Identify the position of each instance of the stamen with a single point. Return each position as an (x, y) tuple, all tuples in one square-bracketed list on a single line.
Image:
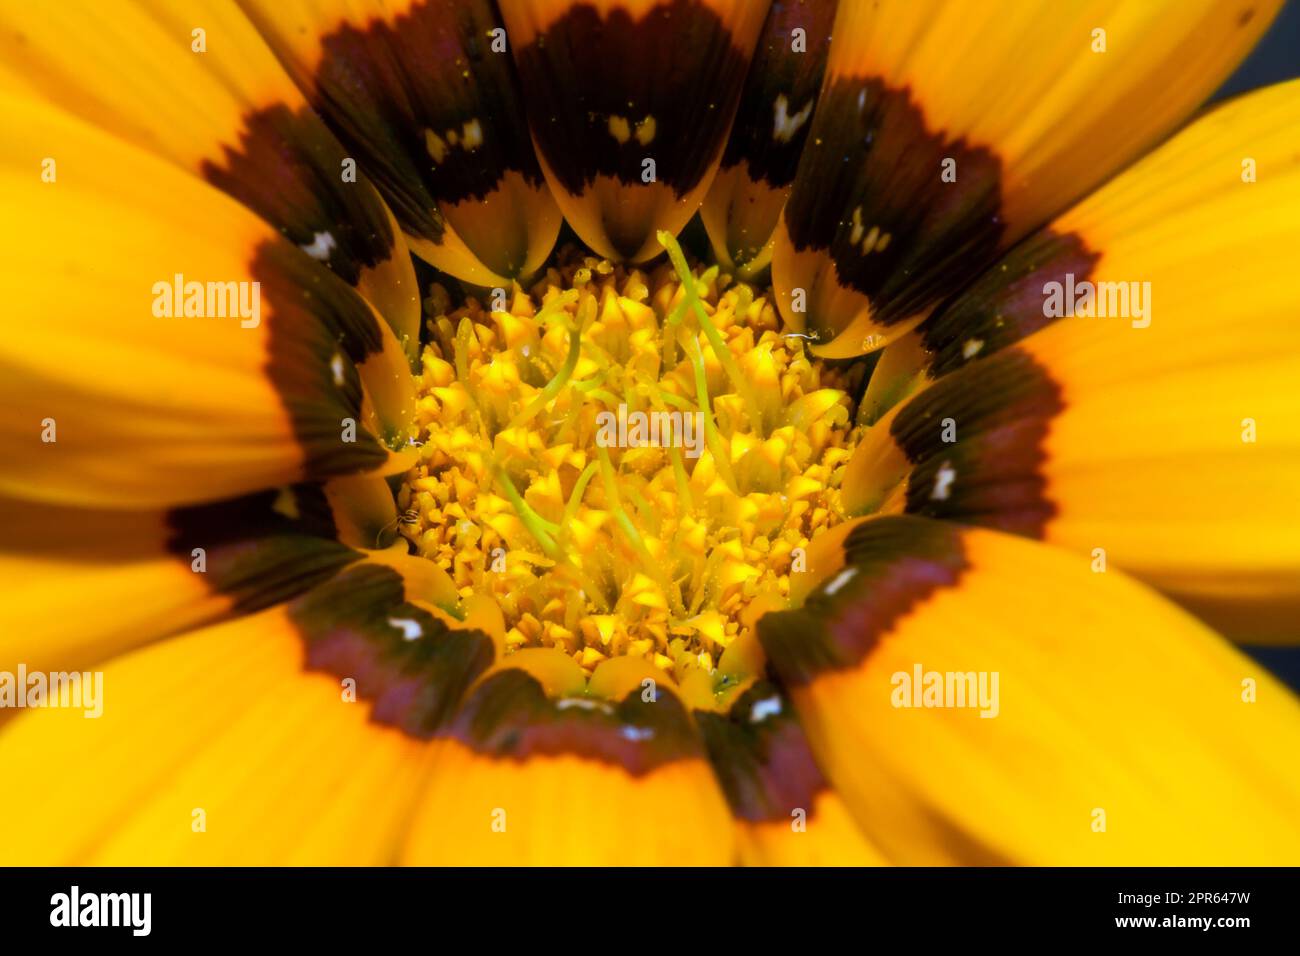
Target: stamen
[(629, 530), (679, 477), (575, 499), (544, 397), (665, 563), (721, 454), (738, 380), (539, 528)]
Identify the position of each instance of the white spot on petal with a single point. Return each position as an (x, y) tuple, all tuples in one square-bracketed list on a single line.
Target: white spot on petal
[(785, 125), (320, 247), (764, 709), (943, 479), (841, 579), (584, 703), (410, 628)]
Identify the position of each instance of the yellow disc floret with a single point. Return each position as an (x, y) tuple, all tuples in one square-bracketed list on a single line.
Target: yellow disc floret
[(625, 462)]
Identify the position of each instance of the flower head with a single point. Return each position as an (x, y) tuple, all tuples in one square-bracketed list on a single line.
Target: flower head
[(398, 470)]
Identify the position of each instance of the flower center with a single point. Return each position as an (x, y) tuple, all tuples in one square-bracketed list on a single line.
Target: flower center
[(627, 463)]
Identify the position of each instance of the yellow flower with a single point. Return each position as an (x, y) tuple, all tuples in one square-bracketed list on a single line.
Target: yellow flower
[(395, 472)]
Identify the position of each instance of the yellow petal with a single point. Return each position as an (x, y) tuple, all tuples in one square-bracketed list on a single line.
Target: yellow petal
[(786, 812), (1096, 724), (109, 397), (199, 87), (214, 748), (1162, 436), (425, 97), (946, 132), (524, 780), (629, 141), (758, 166), (134, 577)]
